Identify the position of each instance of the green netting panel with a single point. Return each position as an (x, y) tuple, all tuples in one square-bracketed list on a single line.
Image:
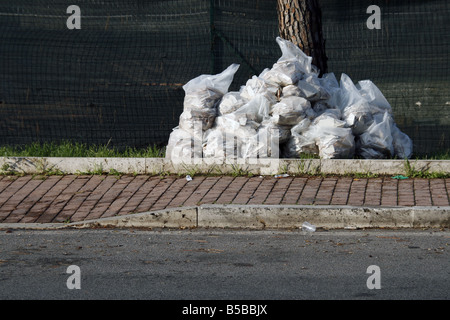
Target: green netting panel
[(120, 77)]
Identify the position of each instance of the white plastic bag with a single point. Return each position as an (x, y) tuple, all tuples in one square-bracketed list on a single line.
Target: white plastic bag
[(202, 95), (377, 141), (235, 133), (334, 142), (300, 142), (193, 119), (183, 146), (230, 102), (311, 89), (220, 144), (204, 91), (258, 86), (370, 92), (291, 110), (255, 110), (358, 106), (290, 67), (403, 145), (291, 52)]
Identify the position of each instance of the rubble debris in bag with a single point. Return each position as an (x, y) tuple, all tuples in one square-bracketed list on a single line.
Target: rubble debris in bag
[(201, 97), (335, 142), (377, 142), (288, 109), (311, 89), (300, 142), (291, 110), (403, 145), (230, 102), (258, 86), (265, 143), (204, 118), (183, 145)]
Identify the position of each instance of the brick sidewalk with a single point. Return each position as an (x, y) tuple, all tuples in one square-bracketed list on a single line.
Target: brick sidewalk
[(76, 198)]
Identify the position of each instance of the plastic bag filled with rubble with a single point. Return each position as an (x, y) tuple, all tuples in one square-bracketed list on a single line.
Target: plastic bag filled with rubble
[(300, 142), (290, 67), (258, 86), (241, 125), (384, 139), (230, 102), (266, 143), (333, 139), (377, 142), (360, 103), (220, 144), (335, 142), (291, 110), (184, 145), (201, 96), (326, 136), (228, 137), (403, 145), (257, 109)]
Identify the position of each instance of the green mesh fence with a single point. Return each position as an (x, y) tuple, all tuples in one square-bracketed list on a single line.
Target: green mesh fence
[(119, 78)]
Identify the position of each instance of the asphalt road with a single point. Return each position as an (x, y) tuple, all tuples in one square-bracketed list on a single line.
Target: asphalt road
[(224, 265)]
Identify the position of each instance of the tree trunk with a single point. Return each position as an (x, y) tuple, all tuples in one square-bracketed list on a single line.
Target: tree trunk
[(300, 21)]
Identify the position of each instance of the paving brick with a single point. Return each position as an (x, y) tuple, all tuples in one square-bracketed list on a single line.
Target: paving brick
[(79, 196), (13, 204), (439, 196), (247, 190), (406, 193), (216, 191), (201, 191), (136, 199), (325, 192), (5, 182), (263, 190), (422, 194), (276, 195), (93, 198), (389, 192), (357, 193), (341, 191), (57, 209), (233, 189), (294, 190), (75, 198), (22, 209), (37, 210), (151, 198), (108, 197), (125, 196), (310, 191), (170, 194), (373, 192), (13, 188), (186, 192)]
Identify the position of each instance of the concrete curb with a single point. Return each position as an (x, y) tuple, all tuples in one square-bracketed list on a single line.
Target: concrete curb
[(260, 217), (156, 166)]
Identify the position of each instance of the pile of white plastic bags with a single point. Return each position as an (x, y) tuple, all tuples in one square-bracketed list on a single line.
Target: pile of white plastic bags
[(286, 111)]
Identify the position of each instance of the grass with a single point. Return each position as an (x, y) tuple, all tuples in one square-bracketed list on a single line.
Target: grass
[(442, 155), (412, 172), (76, 149)]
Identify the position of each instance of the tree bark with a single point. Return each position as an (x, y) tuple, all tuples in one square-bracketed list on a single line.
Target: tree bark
[(300, 21)]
